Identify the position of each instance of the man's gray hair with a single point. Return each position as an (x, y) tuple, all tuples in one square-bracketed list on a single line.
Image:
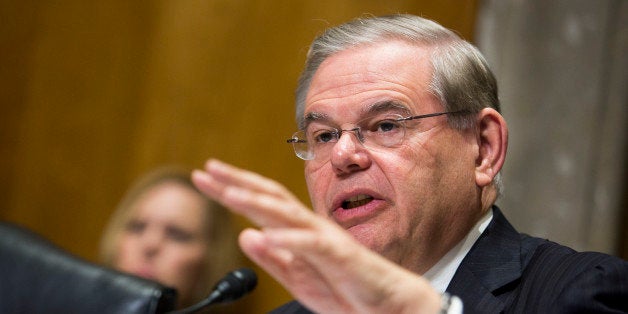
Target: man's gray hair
[(461, 78)]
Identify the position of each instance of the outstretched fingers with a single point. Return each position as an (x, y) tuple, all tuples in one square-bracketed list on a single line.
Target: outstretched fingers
[(338, 265), (315, 259), (233, 176), (263, 201), (305, 281)]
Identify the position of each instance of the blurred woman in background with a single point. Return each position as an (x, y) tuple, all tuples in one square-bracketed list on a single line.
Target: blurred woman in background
[(165, 230)]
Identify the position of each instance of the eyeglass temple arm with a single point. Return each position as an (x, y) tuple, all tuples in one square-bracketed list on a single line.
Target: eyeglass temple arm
[(435, 114)]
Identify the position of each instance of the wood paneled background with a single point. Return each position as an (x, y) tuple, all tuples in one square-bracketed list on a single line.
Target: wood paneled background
[(95, 93)]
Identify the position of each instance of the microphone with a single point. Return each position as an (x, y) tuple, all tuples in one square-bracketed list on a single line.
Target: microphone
[(231, 287)]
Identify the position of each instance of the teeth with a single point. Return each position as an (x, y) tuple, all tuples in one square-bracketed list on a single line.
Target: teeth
[(358, 198), (356, 201)]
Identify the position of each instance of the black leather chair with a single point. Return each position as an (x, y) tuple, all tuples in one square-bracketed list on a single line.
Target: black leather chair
[(38, 277)]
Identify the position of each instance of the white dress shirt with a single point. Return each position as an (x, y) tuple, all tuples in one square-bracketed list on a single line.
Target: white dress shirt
[(443, 271)]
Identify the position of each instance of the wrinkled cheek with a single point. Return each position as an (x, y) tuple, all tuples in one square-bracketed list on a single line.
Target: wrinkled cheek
[(317, 185)]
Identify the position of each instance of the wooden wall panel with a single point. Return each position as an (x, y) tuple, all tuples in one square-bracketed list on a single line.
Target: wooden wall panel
[(96, 93)]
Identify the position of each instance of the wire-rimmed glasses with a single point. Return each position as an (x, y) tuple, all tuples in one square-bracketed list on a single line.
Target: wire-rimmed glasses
[(380, 131)]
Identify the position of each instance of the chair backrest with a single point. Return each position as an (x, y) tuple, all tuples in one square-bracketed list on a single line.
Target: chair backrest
[(38, 277)]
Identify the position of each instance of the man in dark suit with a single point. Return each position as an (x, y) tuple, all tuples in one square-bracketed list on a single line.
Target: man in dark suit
[(400, 129)]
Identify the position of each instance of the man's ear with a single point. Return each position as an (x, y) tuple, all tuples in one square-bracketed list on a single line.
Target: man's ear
[(492, 143)]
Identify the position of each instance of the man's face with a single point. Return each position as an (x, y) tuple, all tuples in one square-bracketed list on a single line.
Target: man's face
[(411, 202)]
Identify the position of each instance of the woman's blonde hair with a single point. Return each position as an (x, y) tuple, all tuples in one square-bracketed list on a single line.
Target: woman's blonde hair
[(222, 252)]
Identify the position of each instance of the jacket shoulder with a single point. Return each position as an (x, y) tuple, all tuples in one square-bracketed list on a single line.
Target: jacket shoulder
[(560, 279)]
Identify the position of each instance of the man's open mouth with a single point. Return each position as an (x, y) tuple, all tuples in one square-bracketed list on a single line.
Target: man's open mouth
[(356, 201)]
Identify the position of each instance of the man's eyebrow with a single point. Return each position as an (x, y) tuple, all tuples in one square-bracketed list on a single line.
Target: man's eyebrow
[(375, 108), (313, 116), (387, 106)]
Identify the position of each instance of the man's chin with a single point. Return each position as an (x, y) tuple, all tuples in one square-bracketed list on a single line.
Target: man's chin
[(366, 234)]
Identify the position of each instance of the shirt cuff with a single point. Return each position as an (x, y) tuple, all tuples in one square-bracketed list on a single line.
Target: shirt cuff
[(450, 304)]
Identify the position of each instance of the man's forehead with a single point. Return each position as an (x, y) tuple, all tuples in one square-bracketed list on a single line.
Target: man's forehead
[(370, 63), (365, 68), (365, 77)]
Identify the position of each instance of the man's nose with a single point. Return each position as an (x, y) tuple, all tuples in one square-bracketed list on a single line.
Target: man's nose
[(356, 131), (349, 154)]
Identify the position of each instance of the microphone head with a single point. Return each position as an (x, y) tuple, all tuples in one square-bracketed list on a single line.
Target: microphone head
[(236, 284)]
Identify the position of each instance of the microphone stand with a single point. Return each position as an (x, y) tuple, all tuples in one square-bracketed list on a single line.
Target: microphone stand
[(233, 286)]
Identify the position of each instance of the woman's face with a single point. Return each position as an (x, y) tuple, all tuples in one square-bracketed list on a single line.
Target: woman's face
[(166, 239)]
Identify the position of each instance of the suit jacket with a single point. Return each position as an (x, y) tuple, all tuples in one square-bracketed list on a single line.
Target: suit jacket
[(509, 272)]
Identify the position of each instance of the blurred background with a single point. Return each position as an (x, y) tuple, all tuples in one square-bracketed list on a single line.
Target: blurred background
[(96, 93)]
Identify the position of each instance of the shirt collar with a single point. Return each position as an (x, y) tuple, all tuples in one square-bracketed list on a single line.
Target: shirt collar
[(443, 271)]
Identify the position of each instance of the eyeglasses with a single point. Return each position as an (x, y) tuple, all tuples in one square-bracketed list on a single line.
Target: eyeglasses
[(376, 132)]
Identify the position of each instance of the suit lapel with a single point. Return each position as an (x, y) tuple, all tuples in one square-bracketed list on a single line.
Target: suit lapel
[(493, 262), (482, 279)]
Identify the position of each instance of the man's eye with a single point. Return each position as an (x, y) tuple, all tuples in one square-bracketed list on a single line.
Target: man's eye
[(385, 126), (324, 136)]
